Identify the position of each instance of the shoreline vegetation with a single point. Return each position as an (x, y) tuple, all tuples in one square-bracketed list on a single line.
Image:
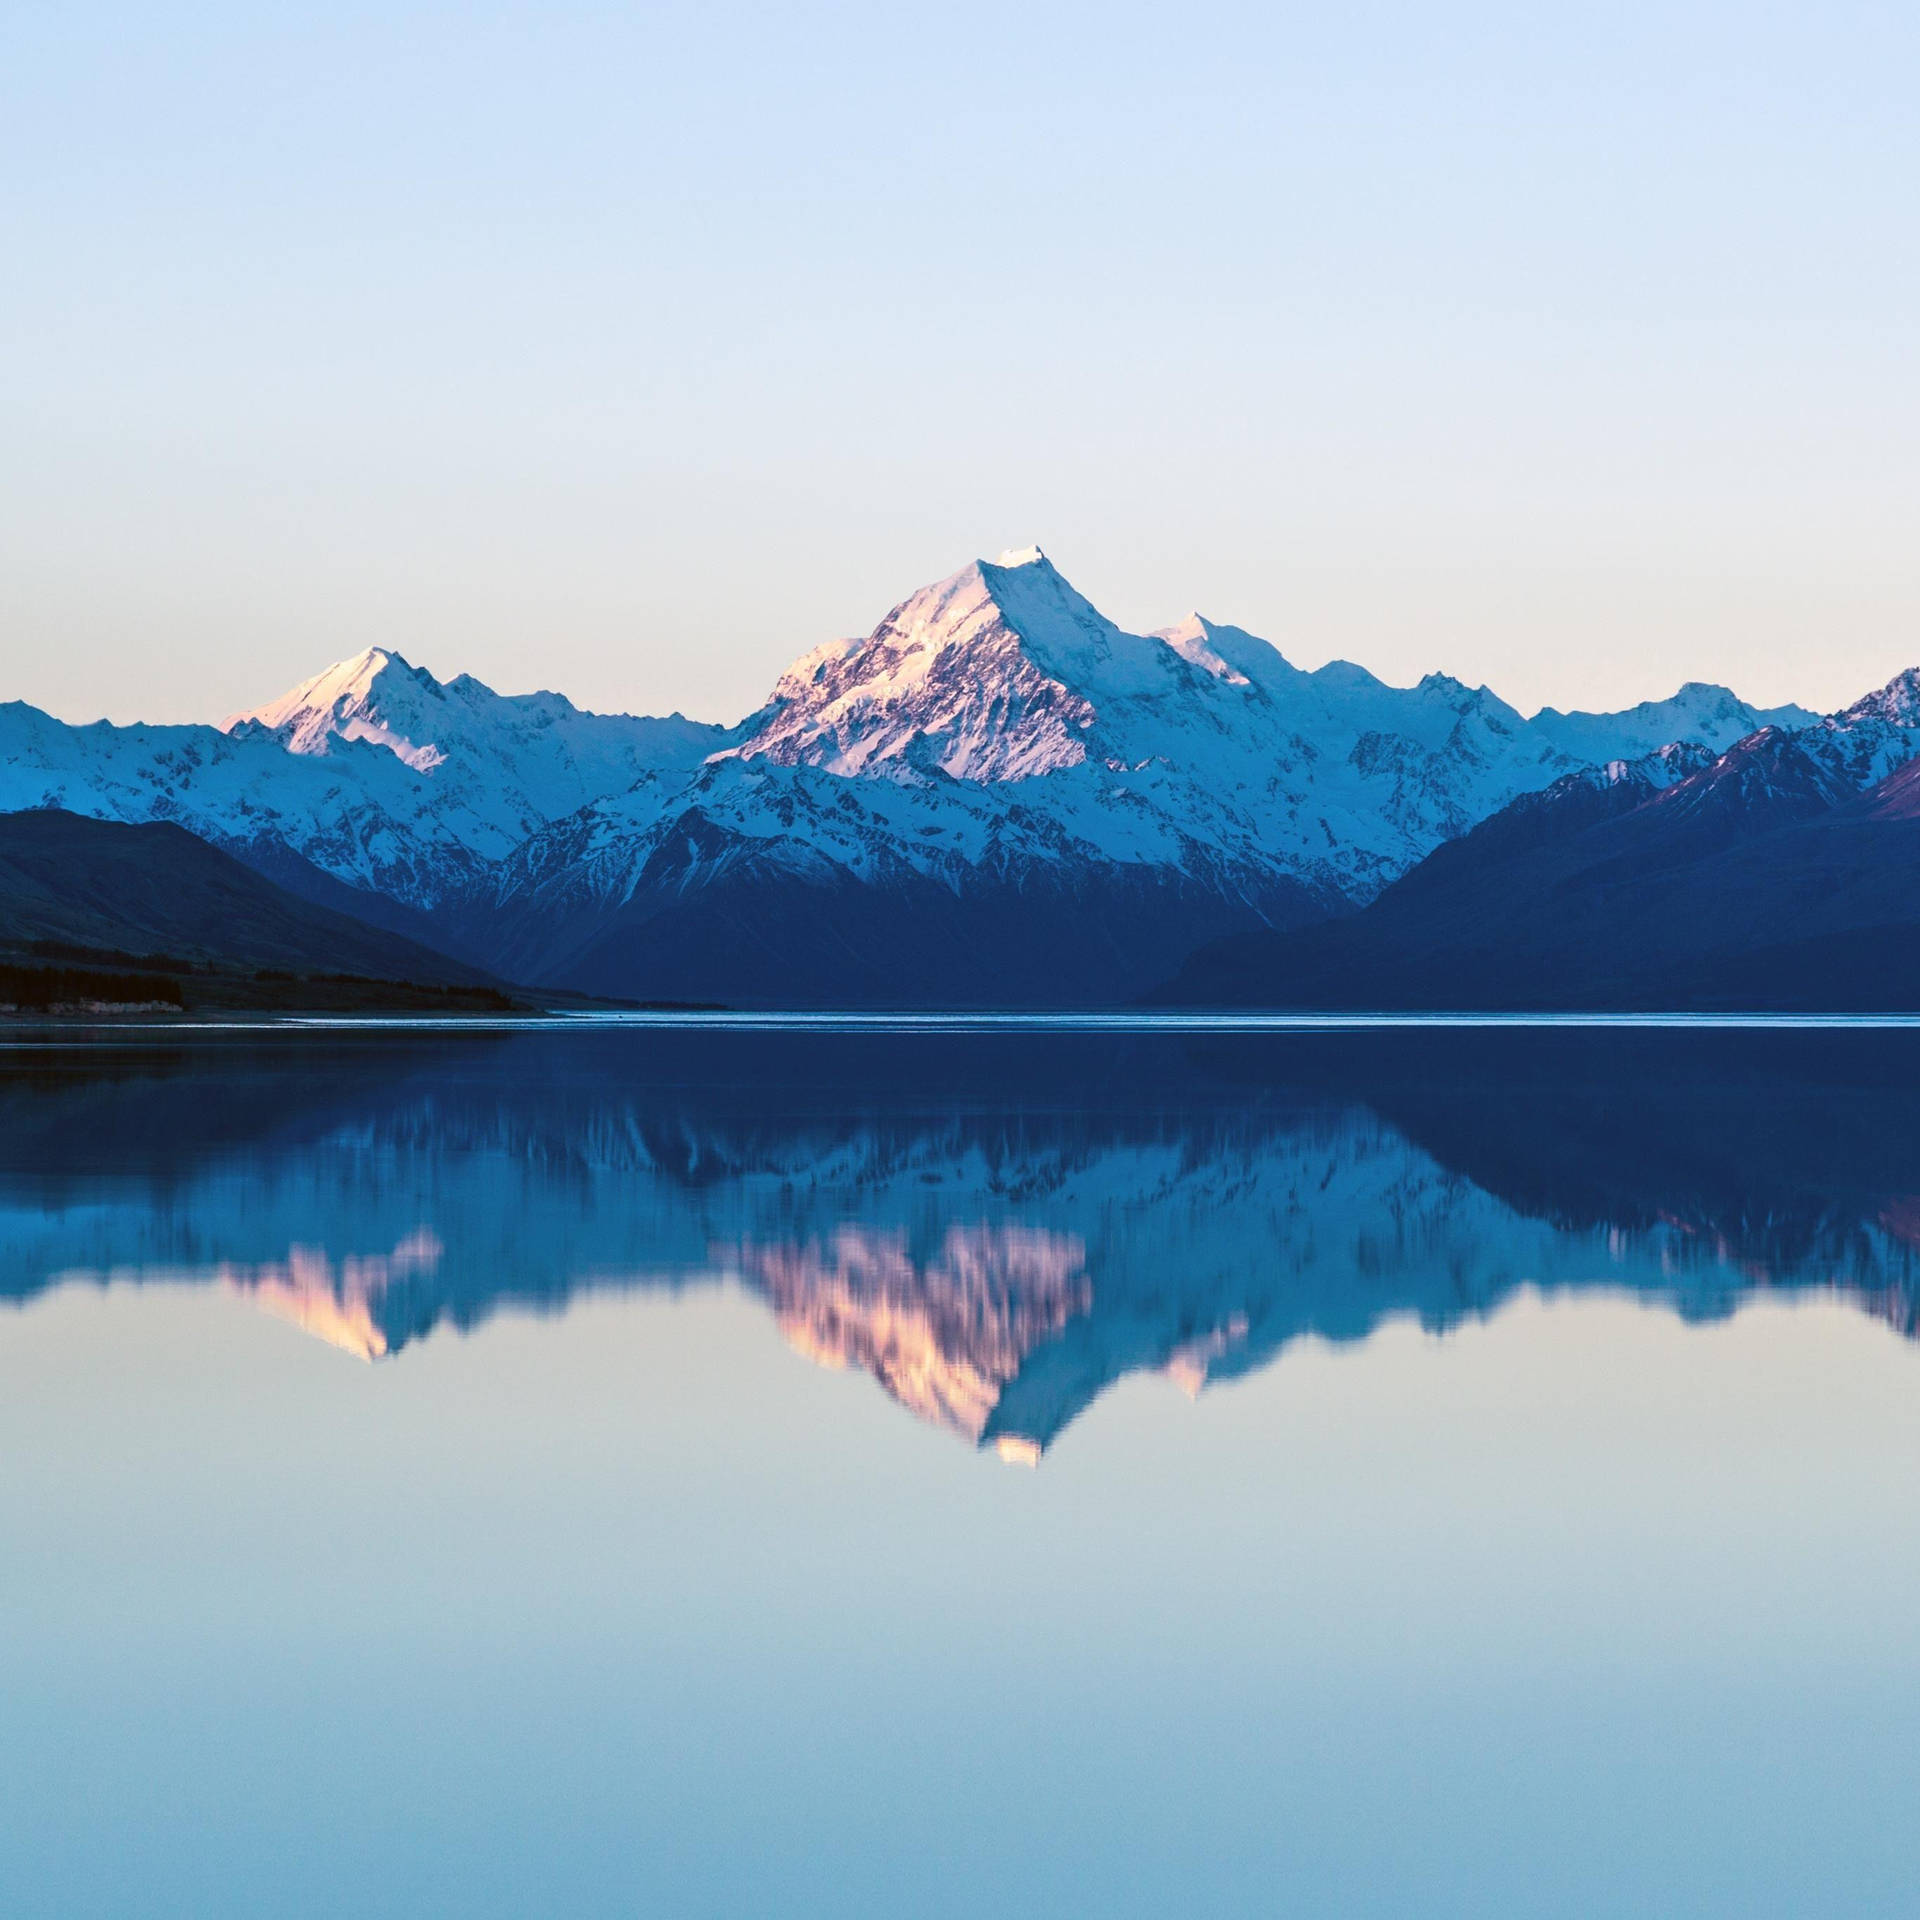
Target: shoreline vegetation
[(50, 979)]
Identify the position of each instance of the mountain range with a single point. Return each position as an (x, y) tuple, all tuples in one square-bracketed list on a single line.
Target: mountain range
[(997, 797), (1763, 878)]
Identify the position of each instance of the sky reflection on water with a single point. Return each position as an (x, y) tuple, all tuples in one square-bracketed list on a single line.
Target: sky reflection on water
[(1597, 1604)]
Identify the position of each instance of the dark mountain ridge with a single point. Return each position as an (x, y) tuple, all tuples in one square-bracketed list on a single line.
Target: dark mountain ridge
[(83, 900), (1760, 882)]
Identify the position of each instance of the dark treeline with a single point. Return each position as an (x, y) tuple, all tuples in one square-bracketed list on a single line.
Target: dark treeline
[(47, 987)]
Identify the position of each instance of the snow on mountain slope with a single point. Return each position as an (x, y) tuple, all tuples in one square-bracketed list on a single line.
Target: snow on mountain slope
[(876, 831), (1713, 716), (1199, 744), (1868, 740), (342, 700), (373, 771), (1766, 779), (994, 733), (360, 814), (1003, 671), (970, 675), (514, 761), (997, 735), (810, 887)]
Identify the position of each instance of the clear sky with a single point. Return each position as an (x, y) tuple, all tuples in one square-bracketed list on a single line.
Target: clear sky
[(633, 350)]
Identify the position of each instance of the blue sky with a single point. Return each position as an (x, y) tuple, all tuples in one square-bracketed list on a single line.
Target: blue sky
[(633, 350)]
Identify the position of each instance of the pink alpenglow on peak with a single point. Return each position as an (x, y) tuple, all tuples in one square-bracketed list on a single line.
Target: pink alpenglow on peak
[(957, 677), (998, 672), (350, 700), (943, 1335)]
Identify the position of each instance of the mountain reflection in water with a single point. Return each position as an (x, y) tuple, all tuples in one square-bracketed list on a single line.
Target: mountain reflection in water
[(995, 1227)]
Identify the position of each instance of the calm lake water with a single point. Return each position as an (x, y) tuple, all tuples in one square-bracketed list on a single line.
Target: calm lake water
[(977, 1472)]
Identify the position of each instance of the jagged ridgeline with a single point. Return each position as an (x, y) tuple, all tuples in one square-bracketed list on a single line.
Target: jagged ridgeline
[(998, 797)]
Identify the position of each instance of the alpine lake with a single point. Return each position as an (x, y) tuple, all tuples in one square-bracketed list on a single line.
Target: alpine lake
[(961, 1467)]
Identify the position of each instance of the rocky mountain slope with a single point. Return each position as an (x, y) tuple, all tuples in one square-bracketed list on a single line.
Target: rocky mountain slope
[(1764, 878)]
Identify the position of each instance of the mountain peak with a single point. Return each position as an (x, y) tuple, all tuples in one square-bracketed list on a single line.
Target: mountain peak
[(993, 673), (373, 695), (1898, 702)]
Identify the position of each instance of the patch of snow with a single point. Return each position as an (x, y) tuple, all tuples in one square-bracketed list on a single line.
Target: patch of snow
[(1192, 640)]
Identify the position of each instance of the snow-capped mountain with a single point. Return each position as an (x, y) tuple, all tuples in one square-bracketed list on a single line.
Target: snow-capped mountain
[(498, 766), (1004, 673), (1198, 735), (990, 675), (758, 883), (1866, 741), (372, 772), (359, 814), (1761, 878), (934, 808), (532, 755), (997, 793), (1708, 715)]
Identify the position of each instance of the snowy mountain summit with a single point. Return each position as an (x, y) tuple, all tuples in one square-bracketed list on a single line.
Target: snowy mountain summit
[(1198, 743), (503, 765), (374, 696), (993, 674), (996, 795)]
